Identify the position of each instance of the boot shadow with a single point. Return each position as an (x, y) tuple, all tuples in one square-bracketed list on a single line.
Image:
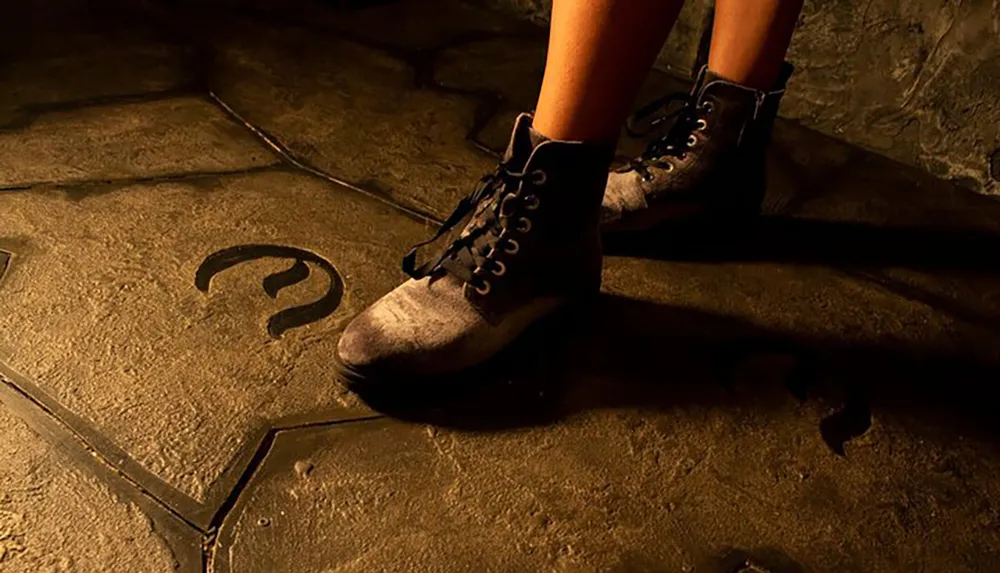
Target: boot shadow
[(625, 353), (793, 240)]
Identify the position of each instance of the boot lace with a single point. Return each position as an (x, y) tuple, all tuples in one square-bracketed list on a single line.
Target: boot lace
[(499, 206), (688, 118)]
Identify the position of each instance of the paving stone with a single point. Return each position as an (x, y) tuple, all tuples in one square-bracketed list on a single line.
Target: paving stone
[(100, 309), (54, 517), (353, 112), (59, 51), (613, 491), (147, 139)]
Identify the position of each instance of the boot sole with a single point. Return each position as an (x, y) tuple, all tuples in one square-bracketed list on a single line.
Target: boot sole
[(439, 399), (399, 393)]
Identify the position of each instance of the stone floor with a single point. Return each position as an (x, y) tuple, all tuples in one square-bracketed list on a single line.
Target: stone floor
[(176, 178)]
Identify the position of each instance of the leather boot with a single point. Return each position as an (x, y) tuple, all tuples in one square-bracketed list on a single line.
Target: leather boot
[(711, 161), (532, 245)]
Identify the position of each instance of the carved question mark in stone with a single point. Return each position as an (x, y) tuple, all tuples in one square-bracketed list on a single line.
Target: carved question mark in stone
[(289, 318)]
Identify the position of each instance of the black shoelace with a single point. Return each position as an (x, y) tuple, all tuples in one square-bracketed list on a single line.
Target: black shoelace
[(495, 206), (676, 140)]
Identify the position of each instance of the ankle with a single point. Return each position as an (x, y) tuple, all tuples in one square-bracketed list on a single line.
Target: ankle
[(760, 78)]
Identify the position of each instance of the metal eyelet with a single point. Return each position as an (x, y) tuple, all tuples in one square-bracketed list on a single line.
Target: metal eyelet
[(531, 202), (539, 177), (485, 289), (523, 225), (702, 124), (499, 271), (692, 141), (512, 247), (708, 107), (664, 165)]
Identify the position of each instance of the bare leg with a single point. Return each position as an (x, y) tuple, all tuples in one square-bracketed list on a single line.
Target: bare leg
[(750, 39), (600, 51)]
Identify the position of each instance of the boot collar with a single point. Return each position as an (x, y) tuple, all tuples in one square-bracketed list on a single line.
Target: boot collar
[(706, 78)]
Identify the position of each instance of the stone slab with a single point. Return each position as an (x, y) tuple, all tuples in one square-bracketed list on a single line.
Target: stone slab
[(44, 500), (57, 52), (354, 112), (101, 311), (680, 490), (172, 137)]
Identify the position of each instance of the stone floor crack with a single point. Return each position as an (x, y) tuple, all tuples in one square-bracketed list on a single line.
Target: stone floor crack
[(292, 160), (255, 462)]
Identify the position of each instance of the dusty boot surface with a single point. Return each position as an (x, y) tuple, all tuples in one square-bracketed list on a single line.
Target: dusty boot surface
[(710, 162), (532, 244)]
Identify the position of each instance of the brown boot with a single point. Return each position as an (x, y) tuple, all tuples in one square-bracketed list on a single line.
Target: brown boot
[(710, 162), (531, 246)]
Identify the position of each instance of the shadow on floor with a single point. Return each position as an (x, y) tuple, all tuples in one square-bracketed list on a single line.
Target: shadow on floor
[(625, 353), (841, 244)]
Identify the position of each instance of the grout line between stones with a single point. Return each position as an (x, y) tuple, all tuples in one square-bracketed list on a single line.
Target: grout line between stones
[(82, 442), (255, 462), (282, 151), (221, 511)]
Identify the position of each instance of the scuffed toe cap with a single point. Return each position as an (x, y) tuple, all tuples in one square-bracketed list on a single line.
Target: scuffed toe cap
[(421, 327), (359, 347)]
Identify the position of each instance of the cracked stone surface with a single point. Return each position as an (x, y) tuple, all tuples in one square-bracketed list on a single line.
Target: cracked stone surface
[(100, 308), (43, 503), (815, 395), (147, 139)]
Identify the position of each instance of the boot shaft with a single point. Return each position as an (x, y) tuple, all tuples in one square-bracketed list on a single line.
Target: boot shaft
[(743, 117), (554, 213)]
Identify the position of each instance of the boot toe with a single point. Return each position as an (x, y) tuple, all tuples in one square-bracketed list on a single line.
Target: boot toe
[(361, 347), (421, 328)]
